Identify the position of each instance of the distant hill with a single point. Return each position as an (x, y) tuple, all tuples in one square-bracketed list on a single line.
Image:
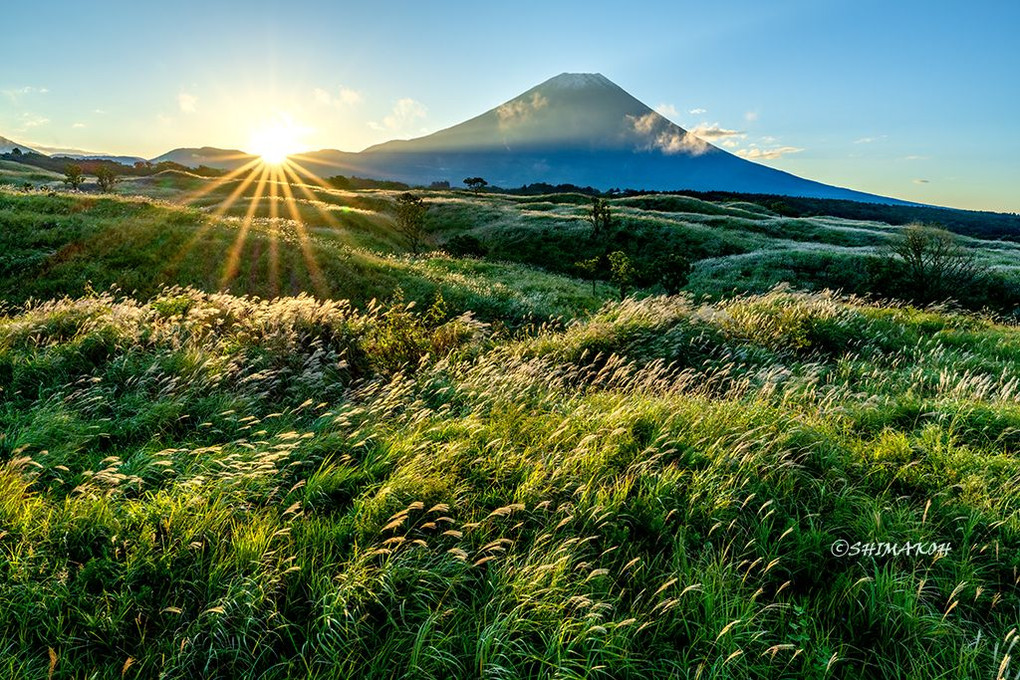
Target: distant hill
[(9, 145), (223, 159)]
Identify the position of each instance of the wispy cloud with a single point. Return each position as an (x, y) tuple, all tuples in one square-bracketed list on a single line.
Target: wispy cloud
[(667, 110), (31, 120), (751, 116), (759, 154), (711, 131), (916, 158), (697, 112), (187, 102), (659, 134), (520, 110), (406, 112), (14, 94), (78, 125), (922, 181), (343, 97), (869, 140)]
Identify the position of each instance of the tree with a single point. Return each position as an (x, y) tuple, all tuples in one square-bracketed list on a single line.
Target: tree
[(411, 220), (621, 271), (74, 176), (15, 151), (476, 184), (935, 262), (105, 178), (591, 269), (673, 271), (600, 218), (466, 245)]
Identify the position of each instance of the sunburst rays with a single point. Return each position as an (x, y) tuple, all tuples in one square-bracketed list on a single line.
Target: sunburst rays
[(274, 182)]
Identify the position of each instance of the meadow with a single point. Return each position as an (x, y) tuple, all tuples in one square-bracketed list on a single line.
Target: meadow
[(309, 454)]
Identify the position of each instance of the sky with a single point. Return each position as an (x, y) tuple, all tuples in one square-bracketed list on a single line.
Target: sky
[(916, 100)]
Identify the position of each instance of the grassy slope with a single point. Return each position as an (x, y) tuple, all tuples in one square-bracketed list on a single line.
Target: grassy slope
[(213, 486)]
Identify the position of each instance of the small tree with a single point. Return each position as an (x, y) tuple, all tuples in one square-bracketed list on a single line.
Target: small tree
[(411, 220), (74, 176), (600, 218), (476, 184), (936, 263), (673, 271), (15, 151), (621, 271), (105, 178), (591, 269)]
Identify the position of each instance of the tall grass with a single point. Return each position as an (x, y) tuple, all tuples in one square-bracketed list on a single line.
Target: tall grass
[(205, 485)]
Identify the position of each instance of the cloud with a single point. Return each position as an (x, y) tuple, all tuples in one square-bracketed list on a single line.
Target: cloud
[(344, 96), (78, 125), (667, 110), (519, 110), (756, 153), (17, 93), (921, 181), (187, 102), (31, 120), (661, 135), (751, 116), (697, 112), (869, 140), (916, 158), (405, 113), (715, 131)]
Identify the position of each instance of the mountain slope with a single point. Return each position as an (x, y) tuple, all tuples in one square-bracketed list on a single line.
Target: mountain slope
[(575, 128), (224, 159), (9, 145)]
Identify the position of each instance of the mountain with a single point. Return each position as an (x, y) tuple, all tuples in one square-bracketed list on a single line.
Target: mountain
[(9, 145), (224, 159), (575, 128)]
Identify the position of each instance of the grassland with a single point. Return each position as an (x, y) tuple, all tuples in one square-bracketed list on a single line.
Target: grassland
[(216, 470)]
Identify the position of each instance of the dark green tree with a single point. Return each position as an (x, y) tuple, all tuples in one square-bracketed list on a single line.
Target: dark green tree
[(411, 220), (15, 151), (590, 268), (74, 176), (936, 264), (476, 184), (621, 271), (106, 178), (673, 272), (600, 218)]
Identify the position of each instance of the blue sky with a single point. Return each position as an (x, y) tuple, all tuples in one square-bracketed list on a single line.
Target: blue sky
[(917, 100)]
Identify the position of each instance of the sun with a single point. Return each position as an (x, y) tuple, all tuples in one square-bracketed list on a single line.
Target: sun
[(276, 141)]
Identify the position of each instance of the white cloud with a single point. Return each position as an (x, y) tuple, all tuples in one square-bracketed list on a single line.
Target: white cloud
[(17, 93), (667, 138), (667, 110), (916, 158), (697, 112), (187, 102), (520, 109), (404, 115), (344, 96), (31, 120), (756, 153), (78, 125), (869, 140), (715, 131), (751, 116)]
